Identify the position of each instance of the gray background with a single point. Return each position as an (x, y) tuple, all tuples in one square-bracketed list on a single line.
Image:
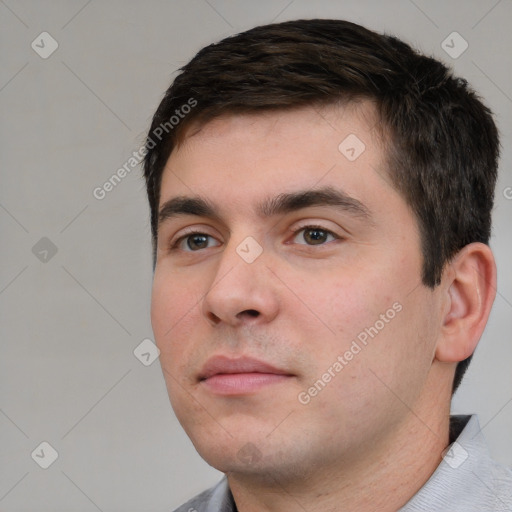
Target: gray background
[(70, 321)]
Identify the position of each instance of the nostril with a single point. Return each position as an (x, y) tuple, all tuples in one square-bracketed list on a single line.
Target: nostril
[(251, 312), (214, 319)]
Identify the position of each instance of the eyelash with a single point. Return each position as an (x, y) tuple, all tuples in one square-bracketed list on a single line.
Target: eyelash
[(174, 245)]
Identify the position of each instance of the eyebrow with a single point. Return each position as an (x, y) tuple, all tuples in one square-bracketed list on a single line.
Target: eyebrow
[(281, 204)]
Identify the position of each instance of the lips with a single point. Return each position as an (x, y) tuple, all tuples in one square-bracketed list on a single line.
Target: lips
[(236, 376), (222, 365)]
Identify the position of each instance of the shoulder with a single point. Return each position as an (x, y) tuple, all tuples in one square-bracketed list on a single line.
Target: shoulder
[(468, 479), (489, 478), (196, 504), (216, 499), (502, 480)]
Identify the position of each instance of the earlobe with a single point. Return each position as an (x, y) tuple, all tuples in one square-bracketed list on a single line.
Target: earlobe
[(470, 291)]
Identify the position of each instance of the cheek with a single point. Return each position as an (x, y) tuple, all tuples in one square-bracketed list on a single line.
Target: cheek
[(346, 304), (373, 314), (172, 308), (171, 318)]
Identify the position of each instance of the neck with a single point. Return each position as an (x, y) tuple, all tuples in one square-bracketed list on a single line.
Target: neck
[(384, 479)]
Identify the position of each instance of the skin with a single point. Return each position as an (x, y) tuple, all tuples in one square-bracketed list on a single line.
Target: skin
[(376, 431)]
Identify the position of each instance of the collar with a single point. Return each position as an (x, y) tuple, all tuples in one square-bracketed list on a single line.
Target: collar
[(466, 479)]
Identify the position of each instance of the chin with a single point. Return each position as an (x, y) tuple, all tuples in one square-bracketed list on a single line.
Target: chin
[(257, 455)]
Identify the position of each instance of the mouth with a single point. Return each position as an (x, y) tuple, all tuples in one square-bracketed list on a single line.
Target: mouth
[(224, 375)]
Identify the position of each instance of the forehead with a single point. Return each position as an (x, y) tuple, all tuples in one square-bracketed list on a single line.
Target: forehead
[(361, 113), (237, 160)]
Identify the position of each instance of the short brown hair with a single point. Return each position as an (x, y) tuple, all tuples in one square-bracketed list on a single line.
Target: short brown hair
[(444, 149)]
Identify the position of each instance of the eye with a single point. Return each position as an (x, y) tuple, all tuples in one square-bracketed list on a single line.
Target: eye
[(196, 240), (192, 242), (314, 235)]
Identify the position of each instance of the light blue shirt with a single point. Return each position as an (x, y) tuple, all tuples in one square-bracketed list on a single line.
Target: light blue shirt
[(467, 480)]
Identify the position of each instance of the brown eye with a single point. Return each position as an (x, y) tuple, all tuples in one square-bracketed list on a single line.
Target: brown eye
[(193, 242), (197, 241), (314, 235)]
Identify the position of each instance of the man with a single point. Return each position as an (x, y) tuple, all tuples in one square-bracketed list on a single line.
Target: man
[(320, 200)]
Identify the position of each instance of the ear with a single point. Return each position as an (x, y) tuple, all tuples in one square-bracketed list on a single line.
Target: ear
[(470, 289)]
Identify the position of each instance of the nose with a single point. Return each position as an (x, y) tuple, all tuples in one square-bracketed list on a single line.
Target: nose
[(241, 291)]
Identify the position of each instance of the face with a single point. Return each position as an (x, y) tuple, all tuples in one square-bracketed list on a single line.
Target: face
[(287, 299)]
